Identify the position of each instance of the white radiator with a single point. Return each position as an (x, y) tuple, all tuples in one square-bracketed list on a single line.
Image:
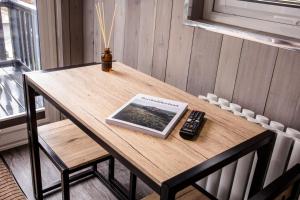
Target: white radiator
[(233, 181)]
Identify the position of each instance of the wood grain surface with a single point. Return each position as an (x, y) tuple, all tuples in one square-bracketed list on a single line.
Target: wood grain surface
[(71, 144), (204, 62), (161, 38), (283, 103), (180, 44), (88, 34), (91, 95), (254, 75), (228, 66), (146, 36), (119, 30), (131, 45), (76, 33)]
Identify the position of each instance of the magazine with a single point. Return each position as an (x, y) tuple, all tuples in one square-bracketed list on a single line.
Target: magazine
[(151, 115)]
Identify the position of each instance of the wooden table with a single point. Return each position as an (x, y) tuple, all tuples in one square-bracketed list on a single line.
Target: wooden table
[(87, 95)]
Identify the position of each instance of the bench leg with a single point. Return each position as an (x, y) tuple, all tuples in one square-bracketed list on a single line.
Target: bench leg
[(65, 185), (111, 169), (132, 186)]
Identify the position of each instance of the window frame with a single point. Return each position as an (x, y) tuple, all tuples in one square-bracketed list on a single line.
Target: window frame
[(248, 22), (193, 16)]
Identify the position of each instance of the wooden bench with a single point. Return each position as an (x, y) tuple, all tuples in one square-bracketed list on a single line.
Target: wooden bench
[(71, 144), (71, 150)]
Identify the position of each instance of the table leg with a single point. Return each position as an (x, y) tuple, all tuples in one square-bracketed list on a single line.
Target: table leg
[(65, 185), (132, 186), (167, 193), (33, 141)]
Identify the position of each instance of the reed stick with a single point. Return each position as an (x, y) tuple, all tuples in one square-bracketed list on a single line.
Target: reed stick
[(99, 14), (102, 24), (112, 24)]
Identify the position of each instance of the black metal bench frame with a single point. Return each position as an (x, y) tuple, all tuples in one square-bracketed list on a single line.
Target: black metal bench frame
[(89, 170)]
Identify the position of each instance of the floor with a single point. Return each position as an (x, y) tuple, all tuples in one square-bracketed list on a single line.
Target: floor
[(18, 161), (11, 91)]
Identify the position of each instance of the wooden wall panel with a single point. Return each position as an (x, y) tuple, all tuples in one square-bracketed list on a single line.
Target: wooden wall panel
[(146, 35), (284, 97), (130, 56), (49, 44), (254, 75), (119, 30), (63, 32), (161, 38), (201, 61), (88, 34), (180, 46), (47, 34), (228, 66), (204, 62), (98, 41), (76, 31)]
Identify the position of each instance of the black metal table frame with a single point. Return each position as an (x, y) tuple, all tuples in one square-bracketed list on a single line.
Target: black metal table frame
[(263, 144)]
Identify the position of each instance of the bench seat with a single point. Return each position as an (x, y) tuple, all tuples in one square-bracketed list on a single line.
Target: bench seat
[(70, 144)]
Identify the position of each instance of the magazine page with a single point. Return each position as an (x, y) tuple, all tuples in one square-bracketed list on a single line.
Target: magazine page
[(148, 114)]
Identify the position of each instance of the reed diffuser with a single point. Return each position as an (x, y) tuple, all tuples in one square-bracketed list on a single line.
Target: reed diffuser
[(106, 56)]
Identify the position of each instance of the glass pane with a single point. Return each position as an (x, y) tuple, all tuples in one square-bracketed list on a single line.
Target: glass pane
[(286, 3), (255, 10)]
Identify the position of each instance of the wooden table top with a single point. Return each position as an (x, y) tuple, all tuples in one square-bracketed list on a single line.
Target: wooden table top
[(91, 95)]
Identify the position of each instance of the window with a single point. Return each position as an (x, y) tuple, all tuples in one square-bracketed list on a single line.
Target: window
[(273, 16), (19, 53)]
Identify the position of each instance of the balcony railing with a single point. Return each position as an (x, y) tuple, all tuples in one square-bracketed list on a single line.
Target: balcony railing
[(21, 31), (19, 52)]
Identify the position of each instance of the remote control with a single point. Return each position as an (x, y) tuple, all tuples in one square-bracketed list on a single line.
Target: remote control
[(192, 125)]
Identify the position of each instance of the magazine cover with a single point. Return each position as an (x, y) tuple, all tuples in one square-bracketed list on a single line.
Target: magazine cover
[(148, 114)]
